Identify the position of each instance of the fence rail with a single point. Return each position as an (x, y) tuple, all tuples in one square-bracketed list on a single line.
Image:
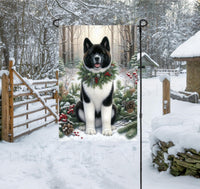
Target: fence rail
[(170, 72), (26, 102)]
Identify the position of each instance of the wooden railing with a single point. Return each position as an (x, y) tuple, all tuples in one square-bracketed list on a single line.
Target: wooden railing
[(26, 102), (170, 72)]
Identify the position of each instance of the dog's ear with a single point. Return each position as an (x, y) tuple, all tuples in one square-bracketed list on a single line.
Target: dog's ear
[(87, 44), (105, 43)]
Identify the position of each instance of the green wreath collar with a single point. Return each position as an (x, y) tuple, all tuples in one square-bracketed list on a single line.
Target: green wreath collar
[(96, 79)]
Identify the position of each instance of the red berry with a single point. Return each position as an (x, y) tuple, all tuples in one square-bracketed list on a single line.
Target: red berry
[(107, 74), (81, 137), (96, 80)]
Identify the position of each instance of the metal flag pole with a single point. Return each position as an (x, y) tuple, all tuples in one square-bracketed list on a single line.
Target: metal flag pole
[(142, 23), (56, 22)]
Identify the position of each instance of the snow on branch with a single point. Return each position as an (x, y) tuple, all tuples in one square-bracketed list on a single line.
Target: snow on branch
[(90, 5), (67, 10)]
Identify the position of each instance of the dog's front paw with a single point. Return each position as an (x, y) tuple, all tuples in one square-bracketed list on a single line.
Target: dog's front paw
[(107, 132), (90, 131)]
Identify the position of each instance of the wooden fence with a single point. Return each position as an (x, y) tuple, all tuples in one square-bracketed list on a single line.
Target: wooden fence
[(27, 105), (171, 72)]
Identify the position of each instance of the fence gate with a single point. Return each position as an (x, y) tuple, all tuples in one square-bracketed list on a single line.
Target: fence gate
[(27, 105)]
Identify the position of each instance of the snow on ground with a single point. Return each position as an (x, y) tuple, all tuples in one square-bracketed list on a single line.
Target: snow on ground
[(41, 160)]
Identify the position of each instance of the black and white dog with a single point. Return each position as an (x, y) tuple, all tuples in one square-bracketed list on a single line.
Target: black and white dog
[(95, 107)]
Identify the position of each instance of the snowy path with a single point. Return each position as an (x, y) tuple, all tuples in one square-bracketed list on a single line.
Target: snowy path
[(40, 160)]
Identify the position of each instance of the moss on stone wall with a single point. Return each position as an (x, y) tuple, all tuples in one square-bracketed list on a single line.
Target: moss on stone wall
[(183, 163)]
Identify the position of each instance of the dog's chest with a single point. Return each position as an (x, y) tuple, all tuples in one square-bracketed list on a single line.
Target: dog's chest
[(97, 95)]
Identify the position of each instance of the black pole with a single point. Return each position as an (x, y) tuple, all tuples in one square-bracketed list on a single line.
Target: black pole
[(142, 23), (56, 22)]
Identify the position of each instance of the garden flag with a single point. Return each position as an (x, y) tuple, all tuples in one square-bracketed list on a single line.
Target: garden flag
[(98, 81)]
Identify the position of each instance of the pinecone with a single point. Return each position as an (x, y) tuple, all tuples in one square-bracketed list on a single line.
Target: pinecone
[(132, 90), (130, 106), (67, 128)]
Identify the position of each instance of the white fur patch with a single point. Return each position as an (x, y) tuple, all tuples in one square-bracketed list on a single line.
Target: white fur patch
[(97, 95), (106, 112), (81, 114)]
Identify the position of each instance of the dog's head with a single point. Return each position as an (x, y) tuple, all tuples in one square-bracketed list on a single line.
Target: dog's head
[(97, 57)]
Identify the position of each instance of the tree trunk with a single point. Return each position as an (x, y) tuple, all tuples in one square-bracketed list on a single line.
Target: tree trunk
[(68, 45), (16, 40), (72, 44), (24, 39), (63, 44), (112, 41)]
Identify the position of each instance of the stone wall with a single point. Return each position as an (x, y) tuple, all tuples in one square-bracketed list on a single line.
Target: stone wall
[(183, 163), (0, 116), (193, 76)]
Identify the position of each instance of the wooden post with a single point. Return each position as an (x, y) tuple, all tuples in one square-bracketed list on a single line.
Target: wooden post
[(57, 100), (5, 108), (11, 110), (27, 108), (166, 96), (45, 119)]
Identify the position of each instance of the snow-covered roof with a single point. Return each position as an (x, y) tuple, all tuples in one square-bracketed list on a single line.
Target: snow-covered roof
[(148, 57), (188, 49)]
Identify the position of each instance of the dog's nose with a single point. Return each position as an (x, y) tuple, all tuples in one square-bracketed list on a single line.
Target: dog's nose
[(96, 58)]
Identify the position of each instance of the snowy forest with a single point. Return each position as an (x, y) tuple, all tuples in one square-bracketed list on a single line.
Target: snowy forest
[(28, 35)]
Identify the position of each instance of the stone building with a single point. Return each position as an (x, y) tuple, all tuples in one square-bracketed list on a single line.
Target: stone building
[(189, 51)]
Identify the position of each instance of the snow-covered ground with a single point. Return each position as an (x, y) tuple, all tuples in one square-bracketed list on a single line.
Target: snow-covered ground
[(41, 160)]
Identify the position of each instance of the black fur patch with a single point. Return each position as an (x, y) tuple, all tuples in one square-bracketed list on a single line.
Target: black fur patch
[(87, 44), (115, 114), (84, 95), (108, 100), (103, 50), (97, 114)]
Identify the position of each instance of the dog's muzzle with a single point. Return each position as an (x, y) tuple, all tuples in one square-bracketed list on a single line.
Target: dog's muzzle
[(97, 61)]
